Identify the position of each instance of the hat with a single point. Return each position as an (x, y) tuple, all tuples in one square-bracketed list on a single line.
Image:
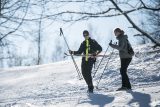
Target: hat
[(85, 33), (119, 30)]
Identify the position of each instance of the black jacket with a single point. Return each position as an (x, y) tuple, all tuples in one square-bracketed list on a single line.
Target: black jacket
[(93, 47)]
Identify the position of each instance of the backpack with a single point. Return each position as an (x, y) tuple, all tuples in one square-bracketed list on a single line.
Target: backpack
[(129, 48)]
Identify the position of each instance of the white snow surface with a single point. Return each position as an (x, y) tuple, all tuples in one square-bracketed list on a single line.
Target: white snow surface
[(57, 84)]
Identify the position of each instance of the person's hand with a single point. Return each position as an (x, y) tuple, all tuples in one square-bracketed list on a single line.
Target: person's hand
[(71, 52), (110, 43), (94, 55)]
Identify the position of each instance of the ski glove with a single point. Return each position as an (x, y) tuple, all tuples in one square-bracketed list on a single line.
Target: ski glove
[(110, 43), (71, 52), (94, 54)]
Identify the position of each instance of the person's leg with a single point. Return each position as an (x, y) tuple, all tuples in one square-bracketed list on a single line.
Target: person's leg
[(122, 70), (83, 68), (89, 72), (128, 84), (124, 65), (86, 72)]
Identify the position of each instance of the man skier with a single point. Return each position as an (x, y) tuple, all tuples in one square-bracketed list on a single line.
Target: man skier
[(88, 47)]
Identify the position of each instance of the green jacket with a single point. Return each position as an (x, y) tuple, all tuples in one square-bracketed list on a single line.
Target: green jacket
[(122, 46)]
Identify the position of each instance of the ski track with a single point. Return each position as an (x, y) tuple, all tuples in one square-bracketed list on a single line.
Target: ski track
[(56, 85)]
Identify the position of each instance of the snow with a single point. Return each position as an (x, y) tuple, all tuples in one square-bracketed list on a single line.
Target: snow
[(57, 84)]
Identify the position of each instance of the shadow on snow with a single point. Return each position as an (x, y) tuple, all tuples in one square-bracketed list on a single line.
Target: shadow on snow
[(99, 99), (142, 99)]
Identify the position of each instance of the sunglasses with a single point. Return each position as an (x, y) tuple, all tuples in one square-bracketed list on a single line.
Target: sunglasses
[(85, 34)]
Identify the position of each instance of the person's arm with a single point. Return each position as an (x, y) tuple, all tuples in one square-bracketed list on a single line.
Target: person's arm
[(120, 45), (80, 50), (98, 48)]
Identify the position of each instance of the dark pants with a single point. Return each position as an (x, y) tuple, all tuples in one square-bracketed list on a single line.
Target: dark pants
[(86, 72), (124, 65)]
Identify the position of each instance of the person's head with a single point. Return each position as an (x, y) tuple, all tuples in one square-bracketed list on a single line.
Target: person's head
[(118, 32), (86, 34)]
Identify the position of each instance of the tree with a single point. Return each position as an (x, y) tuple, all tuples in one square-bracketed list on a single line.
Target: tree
[(154, 21), (39, 39), (104, 8), (22, 18), (10, 22)]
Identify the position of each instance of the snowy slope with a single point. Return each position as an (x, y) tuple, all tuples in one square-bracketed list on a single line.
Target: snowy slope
[(56, 85)]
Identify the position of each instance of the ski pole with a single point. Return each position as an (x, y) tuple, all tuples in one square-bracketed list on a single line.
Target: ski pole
[(76, 67), (100, 62), (104, 69)]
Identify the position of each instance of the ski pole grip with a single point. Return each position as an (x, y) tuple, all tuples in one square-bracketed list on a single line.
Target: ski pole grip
[(61, 32), (110, 41)]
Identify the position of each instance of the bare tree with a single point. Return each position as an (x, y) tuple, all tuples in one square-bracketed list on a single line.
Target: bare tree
[(104, 8), (9, 16), (7, 54), (15, 15), (154, 21), (10, 22), (39, 39)]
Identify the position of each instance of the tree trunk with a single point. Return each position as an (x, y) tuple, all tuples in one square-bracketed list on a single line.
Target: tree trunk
[(39, 39)]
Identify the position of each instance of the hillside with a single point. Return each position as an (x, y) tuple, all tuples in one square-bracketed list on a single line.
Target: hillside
[(57, 85)]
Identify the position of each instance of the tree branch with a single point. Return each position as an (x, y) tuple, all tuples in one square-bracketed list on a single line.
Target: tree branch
[(149, 8), (134, 25), (0, 7), (18, 25), (79, 1)]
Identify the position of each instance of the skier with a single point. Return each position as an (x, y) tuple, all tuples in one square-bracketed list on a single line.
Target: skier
[(125, 56), (88, 46)]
